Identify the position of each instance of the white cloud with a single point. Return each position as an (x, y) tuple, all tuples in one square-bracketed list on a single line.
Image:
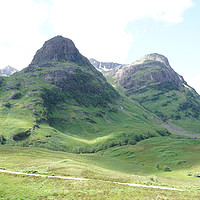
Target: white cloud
[(96, 26), (20, 23)]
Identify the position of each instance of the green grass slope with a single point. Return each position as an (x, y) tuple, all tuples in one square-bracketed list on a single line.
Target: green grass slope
[(60, 101), (45, 115), (157, 87), (118, 164)]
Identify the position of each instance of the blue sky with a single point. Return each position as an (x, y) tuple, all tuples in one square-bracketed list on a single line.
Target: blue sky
[(108, 30), (179, 42)]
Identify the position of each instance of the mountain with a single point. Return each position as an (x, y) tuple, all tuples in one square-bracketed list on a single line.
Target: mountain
[(60, 101), (7, 71), (155, 85), (103, 66)]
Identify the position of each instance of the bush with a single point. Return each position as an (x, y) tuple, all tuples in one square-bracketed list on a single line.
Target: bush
[(157, 166), (163, 132), (7, 105), (189, 174), (166, 168), (2, 139), (153, 178)]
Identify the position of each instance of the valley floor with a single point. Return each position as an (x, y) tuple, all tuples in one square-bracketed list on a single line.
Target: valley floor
[(99, 176)]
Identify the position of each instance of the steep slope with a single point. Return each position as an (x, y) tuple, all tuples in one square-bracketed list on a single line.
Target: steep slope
[(155, 85), (8, 71), (60, 101), (103, 66)]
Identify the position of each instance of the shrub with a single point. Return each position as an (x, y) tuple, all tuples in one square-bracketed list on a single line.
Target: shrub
[(153, 178), (2, 139), (189, 174), (7, 105), (166, 168), (157, 166), (163, 132)]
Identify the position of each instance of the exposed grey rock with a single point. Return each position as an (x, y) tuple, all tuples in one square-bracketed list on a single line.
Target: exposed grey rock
[(1, 81), (12, 85), (15, 95), (151, 69), (103, 66), (8, 71), (69, 80), (153, 57), (58, 49), (59, 63)]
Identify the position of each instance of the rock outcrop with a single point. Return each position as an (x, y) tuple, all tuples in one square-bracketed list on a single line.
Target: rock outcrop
[(8, 71), (153, 57), (151, 69), (58, 49), (60, 64), (103, 66), (154, 84)]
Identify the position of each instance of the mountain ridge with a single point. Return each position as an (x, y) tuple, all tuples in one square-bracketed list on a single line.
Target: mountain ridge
[(155, 85), (153, 57), (58, 49), (60, 101), (8, 71), (103, 66)]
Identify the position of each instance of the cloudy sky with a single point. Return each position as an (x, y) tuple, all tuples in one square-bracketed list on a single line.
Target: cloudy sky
[(107, 30)]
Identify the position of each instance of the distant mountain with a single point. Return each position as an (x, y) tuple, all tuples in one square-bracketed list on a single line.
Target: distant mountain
[(8, 71), (62, 102), (155, 85), (103, 66), (151, 69)]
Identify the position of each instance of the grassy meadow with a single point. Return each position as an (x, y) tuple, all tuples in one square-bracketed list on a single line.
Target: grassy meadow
[(89, 134), (143, 163)]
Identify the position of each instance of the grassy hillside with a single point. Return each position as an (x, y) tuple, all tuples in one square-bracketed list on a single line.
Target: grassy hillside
[(64, 106), (180, 107), (161, 90), (43, 115)]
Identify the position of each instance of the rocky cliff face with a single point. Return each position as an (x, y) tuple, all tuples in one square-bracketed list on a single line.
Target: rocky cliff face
[(152, 81), (58, 49), (151, 69), (61, 97), (153, 57), (57, 78), (103, 66), (60, 64), (8, 71)]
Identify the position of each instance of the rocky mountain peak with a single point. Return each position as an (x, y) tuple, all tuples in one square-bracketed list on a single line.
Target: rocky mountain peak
[(152, 69), (8, 71), (58, 49), (153, 57)]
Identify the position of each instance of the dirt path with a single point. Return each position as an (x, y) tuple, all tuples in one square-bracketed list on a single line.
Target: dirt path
[(85, 179), (41, 175), (149, 186)]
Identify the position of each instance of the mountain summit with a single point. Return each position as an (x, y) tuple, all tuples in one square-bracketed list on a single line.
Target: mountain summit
[(154, 84), (8, 71), (58, 49), (150, 69), (60, 101), (153, 57)]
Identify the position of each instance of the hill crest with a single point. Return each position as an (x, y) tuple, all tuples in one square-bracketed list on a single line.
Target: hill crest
[(58, 49)]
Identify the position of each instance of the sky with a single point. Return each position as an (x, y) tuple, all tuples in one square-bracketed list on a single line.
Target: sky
[(120, 31)]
